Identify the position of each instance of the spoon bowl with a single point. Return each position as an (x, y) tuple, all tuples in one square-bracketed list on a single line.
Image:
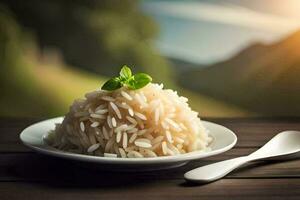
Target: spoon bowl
[(284, 143)]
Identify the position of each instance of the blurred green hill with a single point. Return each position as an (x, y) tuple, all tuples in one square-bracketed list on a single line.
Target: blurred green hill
[(30, 87), (264, 79)]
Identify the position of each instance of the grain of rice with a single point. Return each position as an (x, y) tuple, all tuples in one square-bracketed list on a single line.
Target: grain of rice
[(123, 105), (164, 148), (113, 122), (156, 146), (93, 148), (118, 136), (100, 107), (154, 104), (157, 139), (125, 140), (131, 148), (141, 132), (91, 95), (138, 98), (105, 133), (181, 135), (109, 121), (95, 124), (109, 145), (134, 154), (82, 127), (122, 153), (116, 109), (179, 146), (173, 149), (130, 111), (110, 155), (130, 127), (97, 116), (149, 153), (179, 140), (126, 95), (169, 137), (108, 98), (170, 152), (148, 136), (173, 124), (143, 96), (132, 138), (121, 128), (140, 115), (142, 142), (142, 103), (182, 126), (184, 99), (132, 120), (171, 115), (164, 125), (101, 112), (133, 130)]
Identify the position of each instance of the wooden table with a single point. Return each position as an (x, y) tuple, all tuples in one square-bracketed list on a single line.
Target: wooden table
[(28, 175)]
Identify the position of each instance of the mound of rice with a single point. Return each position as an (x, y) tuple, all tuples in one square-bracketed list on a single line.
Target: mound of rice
[(148, 122)]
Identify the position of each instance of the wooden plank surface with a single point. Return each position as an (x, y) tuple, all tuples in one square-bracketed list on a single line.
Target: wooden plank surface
[(28, 175), (35, 167), (155, 189)]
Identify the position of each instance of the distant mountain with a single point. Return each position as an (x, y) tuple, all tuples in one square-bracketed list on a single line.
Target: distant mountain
[(261, 78), (182, 65)]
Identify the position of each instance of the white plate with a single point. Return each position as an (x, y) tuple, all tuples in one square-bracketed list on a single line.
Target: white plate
[(33, 137)]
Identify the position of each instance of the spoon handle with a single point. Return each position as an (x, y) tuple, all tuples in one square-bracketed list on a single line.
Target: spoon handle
[(214, 171)]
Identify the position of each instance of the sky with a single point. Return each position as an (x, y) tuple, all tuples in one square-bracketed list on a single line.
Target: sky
[(204, 32)]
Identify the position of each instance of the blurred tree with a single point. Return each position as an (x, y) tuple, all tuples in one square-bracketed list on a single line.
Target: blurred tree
[(99, 36), (30, 86), (17, 89)]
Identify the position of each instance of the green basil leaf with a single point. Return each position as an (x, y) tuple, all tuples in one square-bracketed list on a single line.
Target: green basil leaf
[(125, 73), (133, 82), (112, 84), (138, 81)]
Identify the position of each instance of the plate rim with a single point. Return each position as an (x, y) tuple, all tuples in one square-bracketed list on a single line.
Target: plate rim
[(47, 150)]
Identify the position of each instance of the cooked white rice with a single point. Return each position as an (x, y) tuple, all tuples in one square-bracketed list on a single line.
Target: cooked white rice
[(148, 122)]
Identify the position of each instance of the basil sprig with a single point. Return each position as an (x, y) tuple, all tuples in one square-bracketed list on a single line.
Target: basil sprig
[(126, 78)]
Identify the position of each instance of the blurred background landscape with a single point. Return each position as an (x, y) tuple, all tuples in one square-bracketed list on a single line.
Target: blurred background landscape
[(229, 57)]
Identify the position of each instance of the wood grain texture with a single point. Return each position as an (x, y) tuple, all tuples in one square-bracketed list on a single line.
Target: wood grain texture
[(28, 175), (155, 189), (35, 167)]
